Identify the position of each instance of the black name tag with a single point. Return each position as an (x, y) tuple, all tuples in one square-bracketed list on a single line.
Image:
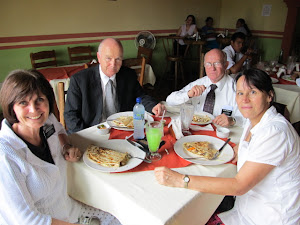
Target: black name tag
[(48, 130), (227, 112)]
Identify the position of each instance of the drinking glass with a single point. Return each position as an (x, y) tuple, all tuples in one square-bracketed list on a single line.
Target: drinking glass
[(154, 133), (290, 64), (186, 117)]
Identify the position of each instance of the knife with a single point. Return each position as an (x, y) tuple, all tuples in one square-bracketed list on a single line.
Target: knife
[(137, 145)]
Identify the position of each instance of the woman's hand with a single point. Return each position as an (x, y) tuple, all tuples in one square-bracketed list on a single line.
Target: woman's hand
[(168, 177), (71, 153)]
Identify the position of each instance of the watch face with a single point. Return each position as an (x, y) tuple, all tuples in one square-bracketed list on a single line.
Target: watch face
[(186, 179)]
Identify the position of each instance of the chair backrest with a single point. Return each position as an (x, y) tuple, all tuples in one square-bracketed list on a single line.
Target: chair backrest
[(80, 53), (138, 64), (146, 53), (43, 59), (61, 102)]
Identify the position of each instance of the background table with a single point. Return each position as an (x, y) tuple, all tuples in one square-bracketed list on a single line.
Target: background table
[(136, 198), (290, 96)]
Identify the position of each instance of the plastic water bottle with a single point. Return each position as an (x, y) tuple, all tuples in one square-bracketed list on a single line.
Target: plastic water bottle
[(138, 120)]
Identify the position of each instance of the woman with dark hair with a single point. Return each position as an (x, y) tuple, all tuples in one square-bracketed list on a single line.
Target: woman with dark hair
[(34, 149), (208, 32), (186, 30), (267, 183), (241, 26)]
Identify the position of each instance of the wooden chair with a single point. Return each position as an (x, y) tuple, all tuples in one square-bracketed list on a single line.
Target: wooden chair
[(145, 52), (80, 53), (168, 43), (139, 67), (43, 59), (61, 102)]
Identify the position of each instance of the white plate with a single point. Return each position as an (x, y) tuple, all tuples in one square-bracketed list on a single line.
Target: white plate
[(110, 119), (225, 156), (274, 80), (204, 114), (121, 146), (288, 78)]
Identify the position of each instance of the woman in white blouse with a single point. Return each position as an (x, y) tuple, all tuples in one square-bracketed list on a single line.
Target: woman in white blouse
[(34, 149), (186, 30), (267, 184)]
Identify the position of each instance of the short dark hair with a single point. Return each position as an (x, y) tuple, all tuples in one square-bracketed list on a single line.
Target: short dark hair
[(209, 18), (259, 79), (193, 18), (20, 84), (238, 35)]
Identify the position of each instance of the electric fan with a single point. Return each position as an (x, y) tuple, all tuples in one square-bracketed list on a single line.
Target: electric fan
[(145, 39)]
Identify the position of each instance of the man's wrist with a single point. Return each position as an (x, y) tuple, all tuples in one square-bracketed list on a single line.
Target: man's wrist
[(232, 120)]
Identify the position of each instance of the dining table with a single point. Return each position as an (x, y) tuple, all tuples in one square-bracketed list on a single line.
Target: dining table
[(134, 196)]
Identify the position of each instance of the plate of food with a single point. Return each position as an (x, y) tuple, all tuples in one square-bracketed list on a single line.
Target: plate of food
[(288, 78), (113, 156), (274, 80), (201, 148), (124, 120), (202, 118)]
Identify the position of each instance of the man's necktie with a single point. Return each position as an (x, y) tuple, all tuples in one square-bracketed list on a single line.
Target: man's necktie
[(234, 58), (111, 99), (210, 100)]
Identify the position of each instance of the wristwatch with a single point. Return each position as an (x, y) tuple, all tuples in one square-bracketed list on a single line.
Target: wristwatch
[(186, 181), (233, 120)]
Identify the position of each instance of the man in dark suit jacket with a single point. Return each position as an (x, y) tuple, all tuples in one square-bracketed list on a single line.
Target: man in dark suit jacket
[(84, 105)]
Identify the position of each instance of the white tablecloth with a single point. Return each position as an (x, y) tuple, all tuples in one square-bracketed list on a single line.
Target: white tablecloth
[(136, 198), (149, 77), (290, 96)]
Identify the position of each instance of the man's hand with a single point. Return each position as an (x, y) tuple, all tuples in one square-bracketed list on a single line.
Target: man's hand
[(223, 120), (196, 90), (158, 109)]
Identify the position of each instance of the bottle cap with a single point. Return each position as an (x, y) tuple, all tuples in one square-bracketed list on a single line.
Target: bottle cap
[(138, 100)]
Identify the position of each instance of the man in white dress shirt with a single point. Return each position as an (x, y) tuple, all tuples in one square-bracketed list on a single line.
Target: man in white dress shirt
[(225, 108), (235, 58)]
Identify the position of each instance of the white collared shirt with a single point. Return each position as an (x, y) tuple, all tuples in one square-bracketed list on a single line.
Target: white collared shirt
[(225, 97), (230, 56), (104, 81), (275, 142)]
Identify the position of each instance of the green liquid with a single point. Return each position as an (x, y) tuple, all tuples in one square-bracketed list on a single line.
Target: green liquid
[(153, 137)]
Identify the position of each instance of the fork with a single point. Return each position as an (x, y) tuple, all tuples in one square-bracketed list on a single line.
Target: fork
[(145, 160)]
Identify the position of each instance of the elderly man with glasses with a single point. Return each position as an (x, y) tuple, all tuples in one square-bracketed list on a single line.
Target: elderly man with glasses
[(214, 93)]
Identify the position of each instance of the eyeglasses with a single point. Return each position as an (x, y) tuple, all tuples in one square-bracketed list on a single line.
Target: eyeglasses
[(215, 64)]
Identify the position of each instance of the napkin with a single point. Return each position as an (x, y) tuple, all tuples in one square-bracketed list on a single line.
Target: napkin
[(298, 82), (222, 35), (207, 127), (176, 126)]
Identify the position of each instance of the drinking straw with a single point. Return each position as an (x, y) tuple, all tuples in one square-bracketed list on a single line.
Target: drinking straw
[(162, 118)]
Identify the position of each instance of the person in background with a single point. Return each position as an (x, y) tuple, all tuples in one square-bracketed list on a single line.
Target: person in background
[(186, 30), (225, 109), (86, 103), (241, 26), (34, 150), (267, 183), (235, 58), (208, 32)]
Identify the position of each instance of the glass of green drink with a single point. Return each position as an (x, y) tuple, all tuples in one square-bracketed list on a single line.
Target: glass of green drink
[(154, 132)]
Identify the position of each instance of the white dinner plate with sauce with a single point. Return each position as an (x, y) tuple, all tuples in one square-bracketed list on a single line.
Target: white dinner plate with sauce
[(216, 143), (115, 116), (121, 146), (204, 114), (288, 78)]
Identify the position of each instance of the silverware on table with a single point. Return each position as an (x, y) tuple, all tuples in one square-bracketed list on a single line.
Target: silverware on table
[(137, 145), (145, 160)]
